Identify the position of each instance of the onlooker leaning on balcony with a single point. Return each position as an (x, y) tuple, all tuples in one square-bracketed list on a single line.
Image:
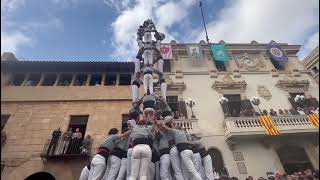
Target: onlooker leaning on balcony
[(75, 142), (281, 113), (66, 139), (273, 112), (300, 111), (286, 112), (54, 140), (85, 145)]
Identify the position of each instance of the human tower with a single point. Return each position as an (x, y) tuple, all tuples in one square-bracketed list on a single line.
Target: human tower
[(151, 147)]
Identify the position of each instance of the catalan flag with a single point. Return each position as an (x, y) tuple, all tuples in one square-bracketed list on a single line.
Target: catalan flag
[(269, 126), (314, 119)]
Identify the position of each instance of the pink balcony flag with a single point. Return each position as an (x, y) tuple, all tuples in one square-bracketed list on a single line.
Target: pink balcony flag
[(166, 51)]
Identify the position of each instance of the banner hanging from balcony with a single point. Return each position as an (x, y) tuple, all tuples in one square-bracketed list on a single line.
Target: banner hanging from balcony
[(194, 52), (314, 119), (166, 51), (275, 52), (269, 126), (219, 52)]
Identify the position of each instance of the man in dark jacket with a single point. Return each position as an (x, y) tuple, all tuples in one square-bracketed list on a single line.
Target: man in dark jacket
[(54, 140)]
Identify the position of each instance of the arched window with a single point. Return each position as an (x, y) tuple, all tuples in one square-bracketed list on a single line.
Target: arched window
[(40, 175), (217, 162)]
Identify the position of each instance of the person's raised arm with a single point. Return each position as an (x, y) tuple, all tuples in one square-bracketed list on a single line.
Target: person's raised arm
[(127, 133)]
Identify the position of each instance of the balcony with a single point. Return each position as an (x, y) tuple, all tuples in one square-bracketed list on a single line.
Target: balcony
[(190, 125), (248, 126), (73, 150)]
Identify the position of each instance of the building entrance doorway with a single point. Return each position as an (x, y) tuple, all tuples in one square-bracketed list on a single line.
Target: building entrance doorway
[(294, 158)]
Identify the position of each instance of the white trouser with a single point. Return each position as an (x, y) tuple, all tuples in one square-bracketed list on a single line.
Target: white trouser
[(147, 37), (84, 174), (196, 158), (148, 83), (148, 58), (160, 65), (175, 163), (136, 65), (113, 167), (135, 93), (129, 155), (158, 44), (157, 170), (152, 171), (165, 167), (123, 169), (208, 170), (163, 87), (140, 161), (185, 173), (186, 157), (98, 166)]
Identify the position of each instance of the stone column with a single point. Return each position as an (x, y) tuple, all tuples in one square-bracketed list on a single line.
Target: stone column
[(57, 80), (233, 66), (25, 79), (41, 79), (103, 79), (117, 79), (269, 66), (88, 79), (213, 72), (312, 155), (74, 75)]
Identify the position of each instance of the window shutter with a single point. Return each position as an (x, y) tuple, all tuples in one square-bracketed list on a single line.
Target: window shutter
[(183, 108)]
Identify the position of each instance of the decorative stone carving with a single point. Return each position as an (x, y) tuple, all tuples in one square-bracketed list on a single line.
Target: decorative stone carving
[(202, 42), (172, 86), (227, 83), (238, 156), (289, 83), (173, 42), (231, 144), (264, 92), (222, 42), (242, 168), (249, 62), (274, 73), (254, 42)]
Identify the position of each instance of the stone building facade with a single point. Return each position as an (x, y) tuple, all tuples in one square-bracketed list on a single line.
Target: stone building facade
[(239, 145), (311, 62)]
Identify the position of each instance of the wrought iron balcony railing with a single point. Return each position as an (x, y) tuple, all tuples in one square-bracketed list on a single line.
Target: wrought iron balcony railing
[(65, 149), (238, 126)]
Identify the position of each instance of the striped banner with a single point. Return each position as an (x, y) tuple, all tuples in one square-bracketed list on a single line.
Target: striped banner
[(314, 119), (267, 123)]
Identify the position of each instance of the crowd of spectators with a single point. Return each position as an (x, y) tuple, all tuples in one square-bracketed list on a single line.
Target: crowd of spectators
[(280, 112), (299, 175)]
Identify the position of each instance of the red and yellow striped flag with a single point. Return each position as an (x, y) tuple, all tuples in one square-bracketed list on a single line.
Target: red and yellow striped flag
[(314, 119), (267, 123)]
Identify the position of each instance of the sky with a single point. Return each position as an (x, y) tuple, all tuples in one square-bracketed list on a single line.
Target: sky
[(106, 29)]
